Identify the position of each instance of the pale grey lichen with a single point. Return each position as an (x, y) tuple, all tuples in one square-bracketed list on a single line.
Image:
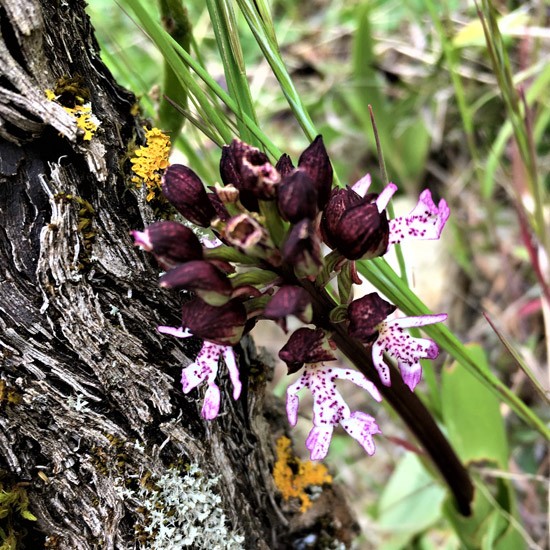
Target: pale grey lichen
[(183, 510)]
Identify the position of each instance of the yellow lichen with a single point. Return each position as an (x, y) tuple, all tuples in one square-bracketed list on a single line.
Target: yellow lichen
[(85, 119), (292, 476), (150, 161)]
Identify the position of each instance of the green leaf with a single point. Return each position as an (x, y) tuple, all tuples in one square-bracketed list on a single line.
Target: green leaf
[(411, 501), (476, 429), (472, 415)]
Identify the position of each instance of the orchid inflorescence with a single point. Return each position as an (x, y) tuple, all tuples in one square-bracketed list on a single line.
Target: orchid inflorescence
[(264, 259)]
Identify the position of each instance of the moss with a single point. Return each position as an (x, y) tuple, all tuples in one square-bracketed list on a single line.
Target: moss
[(8, 395), (14, 507), (293, 476)]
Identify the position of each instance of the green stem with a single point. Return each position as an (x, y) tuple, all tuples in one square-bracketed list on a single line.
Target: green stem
[(177, 24)]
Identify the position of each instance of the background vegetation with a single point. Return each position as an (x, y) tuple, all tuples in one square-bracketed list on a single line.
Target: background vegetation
[(460, 96)]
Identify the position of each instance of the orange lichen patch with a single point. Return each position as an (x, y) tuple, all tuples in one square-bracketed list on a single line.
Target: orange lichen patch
[(150, 161), (292, 476), (85, 119)]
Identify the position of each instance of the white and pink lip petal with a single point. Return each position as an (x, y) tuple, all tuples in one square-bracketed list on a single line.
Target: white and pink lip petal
[(292, 405), (417, 321), (231, 363), (359, 379), (178, 332), (210, 242), (362, 427), (292, 400), (318, 441), (378, 349), (211, 404), (411, 373), (192, 376), (384, 198), (426, 221)]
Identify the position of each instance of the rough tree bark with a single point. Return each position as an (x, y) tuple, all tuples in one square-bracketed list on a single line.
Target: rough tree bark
[(92, 409)]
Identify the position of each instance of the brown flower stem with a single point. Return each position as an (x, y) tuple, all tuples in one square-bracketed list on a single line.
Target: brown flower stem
[(405, 403)]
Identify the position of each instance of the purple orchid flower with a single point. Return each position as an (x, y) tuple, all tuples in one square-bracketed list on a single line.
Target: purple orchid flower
[(404, 348), (205, 368), (330, 409), (369, 323), (426, 221)]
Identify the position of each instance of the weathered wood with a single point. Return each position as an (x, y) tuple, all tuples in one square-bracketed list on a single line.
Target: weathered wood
[(99, 411)]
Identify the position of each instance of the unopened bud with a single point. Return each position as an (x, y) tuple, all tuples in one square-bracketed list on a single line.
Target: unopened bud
[(184, 189), (171, 243)]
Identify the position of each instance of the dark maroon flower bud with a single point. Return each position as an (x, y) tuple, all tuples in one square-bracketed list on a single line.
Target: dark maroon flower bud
[(354, 226), (297, 197), (231, 175), (289, 300), (222, 325), (171, 243), (363, 232), (365, 314), (339, 201), (284, 165), (302, 250), (206, 280), (249, 170), (315, 161), (184, 189), (306, 345)]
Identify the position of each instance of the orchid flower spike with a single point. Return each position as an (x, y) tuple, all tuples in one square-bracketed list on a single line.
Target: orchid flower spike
[(330, 409)]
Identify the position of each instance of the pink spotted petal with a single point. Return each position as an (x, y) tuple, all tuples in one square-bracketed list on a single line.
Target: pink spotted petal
[(425, 221), (205, 367), (329, 406), (211, 405), (384, 198), (362, 185), (192, 376), (178, 332), (403, 346), (408, 351), (419, 321), (231, 363), (362, 427), (318, 441), (360, 380), (378, 360), (292, 404), (411, 373)]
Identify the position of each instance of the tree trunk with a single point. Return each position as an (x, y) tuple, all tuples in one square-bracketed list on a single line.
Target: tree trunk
[(94, 427)]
